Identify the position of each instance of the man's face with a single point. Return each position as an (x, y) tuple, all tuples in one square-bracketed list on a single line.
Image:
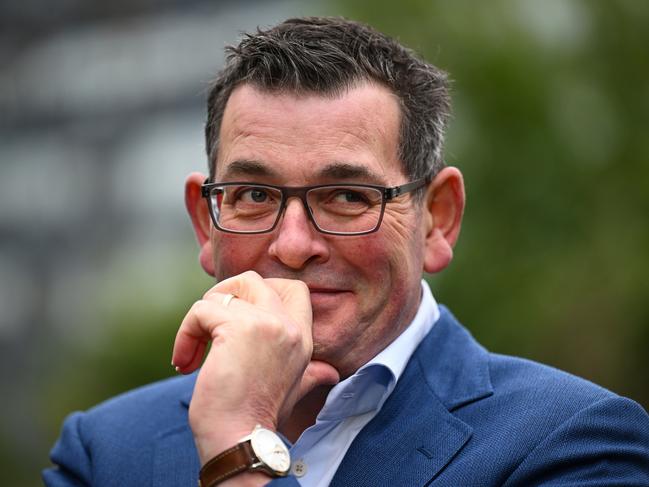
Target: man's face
[(364, 289)]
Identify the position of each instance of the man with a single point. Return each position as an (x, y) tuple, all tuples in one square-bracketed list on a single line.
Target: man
[(327, 197)]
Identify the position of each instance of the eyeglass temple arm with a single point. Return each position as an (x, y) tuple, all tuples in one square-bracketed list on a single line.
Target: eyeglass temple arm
[(205, 188), (405, 188)]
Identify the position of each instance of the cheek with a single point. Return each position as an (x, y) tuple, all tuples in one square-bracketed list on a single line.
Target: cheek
[(380, 258), (234, 254), (404, 247), (368, 254)]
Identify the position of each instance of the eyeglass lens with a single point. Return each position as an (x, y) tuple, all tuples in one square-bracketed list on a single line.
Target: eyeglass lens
[(341, 209)]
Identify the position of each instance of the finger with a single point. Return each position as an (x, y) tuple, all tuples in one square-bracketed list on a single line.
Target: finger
[(250, 287), (195, 350), (196, 330)]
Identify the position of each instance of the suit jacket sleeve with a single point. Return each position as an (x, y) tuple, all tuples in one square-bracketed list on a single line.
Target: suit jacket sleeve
[(70, 457), (606, 443)]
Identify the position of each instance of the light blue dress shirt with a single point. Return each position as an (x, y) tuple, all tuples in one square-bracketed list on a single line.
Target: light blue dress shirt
[(352, 403)]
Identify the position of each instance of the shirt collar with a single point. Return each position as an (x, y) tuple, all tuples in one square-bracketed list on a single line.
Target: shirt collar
[(396, 355), (371, 385)]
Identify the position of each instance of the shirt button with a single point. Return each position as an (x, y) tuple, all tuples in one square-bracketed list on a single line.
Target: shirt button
[(299, 468), (347, 395)]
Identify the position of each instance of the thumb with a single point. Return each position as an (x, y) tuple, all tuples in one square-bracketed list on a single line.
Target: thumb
[(317, 373)]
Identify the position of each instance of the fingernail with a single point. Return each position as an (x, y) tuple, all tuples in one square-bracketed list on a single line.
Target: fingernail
[(177, 369)]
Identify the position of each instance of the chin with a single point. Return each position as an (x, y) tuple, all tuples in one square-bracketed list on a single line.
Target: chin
[(338, 351)]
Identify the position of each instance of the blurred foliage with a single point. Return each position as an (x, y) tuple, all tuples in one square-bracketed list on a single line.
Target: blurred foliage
[(134, 350), (550, 129)]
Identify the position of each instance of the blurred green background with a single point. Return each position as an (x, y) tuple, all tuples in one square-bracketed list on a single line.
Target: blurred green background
[(550, 128)]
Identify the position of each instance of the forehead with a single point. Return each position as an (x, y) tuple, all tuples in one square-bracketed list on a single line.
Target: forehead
[(297, 137)]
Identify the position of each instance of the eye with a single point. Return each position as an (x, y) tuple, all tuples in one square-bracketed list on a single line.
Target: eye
[(344, 200), (257, 195), (349, 196), (253, 195)]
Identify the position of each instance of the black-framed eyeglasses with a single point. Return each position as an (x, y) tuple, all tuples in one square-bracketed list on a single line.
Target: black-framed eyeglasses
[(334, 209)]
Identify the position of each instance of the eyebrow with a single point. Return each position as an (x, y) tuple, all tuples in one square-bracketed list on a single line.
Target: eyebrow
[(338, 171), (347, 171), (245, 167)]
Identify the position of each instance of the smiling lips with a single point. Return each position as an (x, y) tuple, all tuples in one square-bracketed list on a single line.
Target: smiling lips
[(323, 296), (324, 290)]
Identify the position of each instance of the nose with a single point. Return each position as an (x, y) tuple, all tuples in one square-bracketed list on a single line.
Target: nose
[(296, 242)]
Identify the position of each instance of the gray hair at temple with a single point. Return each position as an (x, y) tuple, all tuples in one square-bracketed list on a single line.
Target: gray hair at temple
[(327, 56)]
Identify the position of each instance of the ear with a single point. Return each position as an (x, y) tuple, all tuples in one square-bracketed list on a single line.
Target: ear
[(443, 210), (201, 220)]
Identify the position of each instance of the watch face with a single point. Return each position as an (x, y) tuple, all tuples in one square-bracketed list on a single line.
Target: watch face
[(271, 450)]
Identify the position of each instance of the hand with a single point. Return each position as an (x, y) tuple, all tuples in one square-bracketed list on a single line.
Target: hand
[(259, 364)]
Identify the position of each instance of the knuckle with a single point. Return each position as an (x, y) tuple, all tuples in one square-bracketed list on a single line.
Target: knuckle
[(275, 329), (250, 274), (300, 285), (199, 307), (211, 291), (209, 294), (273, 326), (204, 311), (293, 336), (199, 310)]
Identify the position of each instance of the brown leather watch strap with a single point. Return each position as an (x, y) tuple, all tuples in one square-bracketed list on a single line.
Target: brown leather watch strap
[(227, 464)]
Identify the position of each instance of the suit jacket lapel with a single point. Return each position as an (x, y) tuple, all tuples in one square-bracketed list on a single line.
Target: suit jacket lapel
[(415, 435)]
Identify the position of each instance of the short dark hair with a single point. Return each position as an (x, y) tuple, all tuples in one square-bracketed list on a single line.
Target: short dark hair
[(327, 56)]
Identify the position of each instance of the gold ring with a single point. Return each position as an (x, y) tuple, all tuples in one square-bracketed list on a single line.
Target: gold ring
[(228, 298)]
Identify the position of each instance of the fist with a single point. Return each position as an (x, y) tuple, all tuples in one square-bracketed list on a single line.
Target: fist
[(259, 364)]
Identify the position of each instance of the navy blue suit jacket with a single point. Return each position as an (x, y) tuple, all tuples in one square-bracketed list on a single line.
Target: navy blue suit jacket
[(459, 416)]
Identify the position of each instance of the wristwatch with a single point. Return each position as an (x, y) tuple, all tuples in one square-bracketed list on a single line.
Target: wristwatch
[(261, 451)]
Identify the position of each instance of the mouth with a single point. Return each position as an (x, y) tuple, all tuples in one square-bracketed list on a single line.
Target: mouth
[(326, 297), (320, 288), (324, 290)]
